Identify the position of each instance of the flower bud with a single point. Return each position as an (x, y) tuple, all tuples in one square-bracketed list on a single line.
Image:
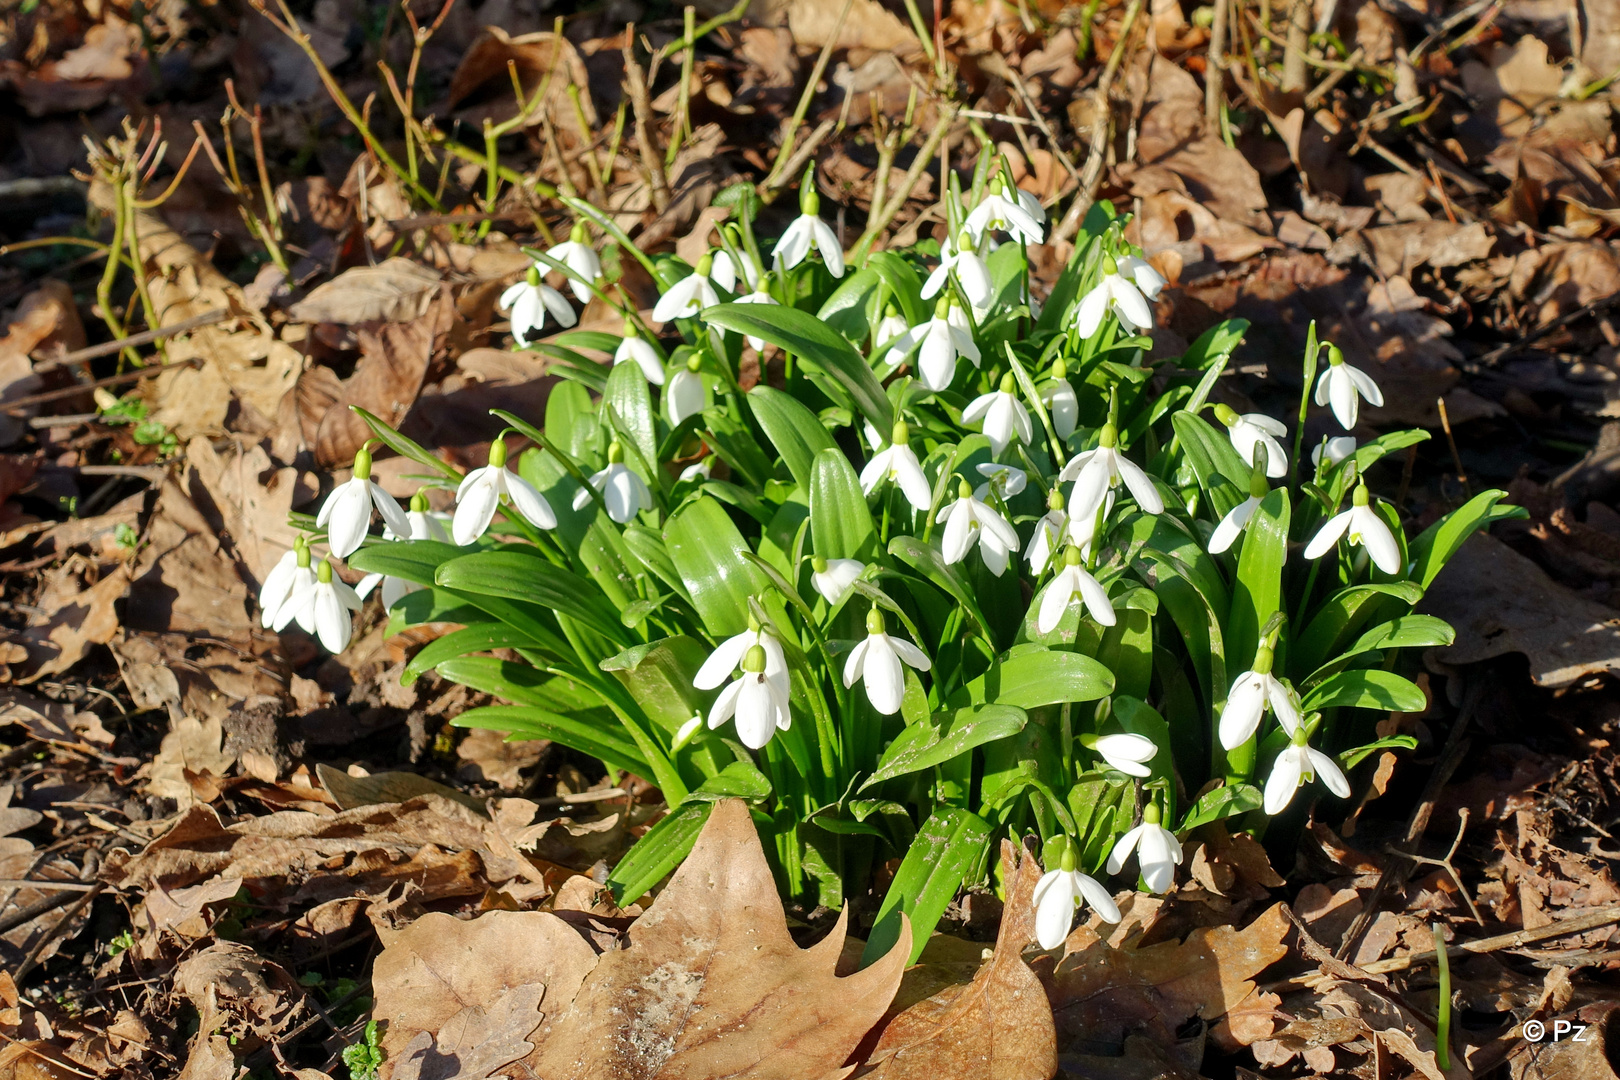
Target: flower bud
[(1108, 437), (1068, 861), (1262, 660), (818, 564), (1151, 814), (615, 452), (1335, 355), (964, 490), (1109, 266), (809, 198), (1360, 498), (694, 362), (705, 264), (942, 307), (577, 233), (533, 277), (301, 550), (1071, 556), (1054, 498), (1226, 414), (1060, 370), (362, 464)]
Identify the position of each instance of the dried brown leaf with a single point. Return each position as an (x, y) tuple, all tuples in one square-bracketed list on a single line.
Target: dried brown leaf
[(476, 1041), (998, 1027), (711, 984), (395, 290)]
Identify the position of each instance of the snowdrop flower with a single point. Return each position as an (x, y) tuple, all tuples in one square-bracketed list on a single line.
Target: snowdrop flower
[(877, 661), (969, 521), (635, 349), (1004, 480), (1158, 851), (1062, 404), (833, 578), (1126, 296), (898, 463), (1338, 448), (1124, 751), (687, 730), (731, 652), (972, 274), (425, 525), (1059, 893), (1002, 416), (1001, 209), (725, 273), (1298, 765), (346, 513), (624, 494), (684, 396), (581, 258), (690, 295), (758, 296), (1237, 519), (1250, 431), (809, 231), (1048, 533), (1252, 693), (329, 602), (529, 301), (1082, 530), (756, 701), (699, 469), (892, 325), (1073, 582), (1363, 527), (1096, 472), (482, 491), (289, 578), (1343, 387), (943, 339)]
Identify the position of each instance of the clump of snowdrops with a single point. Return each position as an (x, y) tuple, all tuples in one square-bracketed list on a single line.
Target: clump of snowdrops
[(958, 564)]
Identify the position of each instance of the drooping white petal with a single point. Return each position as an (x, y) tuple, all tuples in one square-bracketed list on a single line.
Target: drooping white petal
[(1367, 528), (1128, 752), (333, 626), (1131, 306), (1123, 848), (1159, 854), (1140, 485), (826, 242), (475, 506), (856, 661), (528, 501), (1055, 896), (1342, 396), (277, 587), (1328, 535), (298, 604), (937, 361), (959, 532), (1142, 273), (884, 677), (684, 396), (1245, 704), (1327, 770), (794, 245), (1284, 704), (1089, 315), (725, 706), (724, 660), (835, 582), (1365, 386), (1286, 773), (1098, 898), (634, 349), (756, 710), (1226, 533), (388, 509), (347, 514), (1063, 405)]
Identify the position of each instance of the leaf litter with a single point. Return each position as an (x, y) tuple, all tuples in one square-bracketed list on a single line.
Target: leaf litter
[(234, 806)]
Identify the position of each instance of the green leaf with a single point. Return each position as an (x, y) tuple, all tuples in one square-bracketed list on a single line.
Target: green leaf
[(928, 561), (949, 847), (571, 423), (1214, 344), (1221, 473), (528, 722), (628, 396), (659, 851), (1339, 614), (922, 746), (471, 639), (735, 444), (1406, 632), (1351, 758), (739, 780), (1366, 688), (905, 287), (648, 546), (708, 553), (404, 447), (813, 341), (849, 309), (528, 576), (1439, 542), (1257, 593), (840, 523), (413, 560), (659, 677), (1222, 802), (1031, 676), (797, 433)]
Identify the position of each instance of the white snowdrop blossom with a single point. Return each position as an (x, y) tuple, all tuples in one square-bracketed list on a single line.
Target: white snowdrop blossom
[(582, 259), (684, 396), (1249, 432), (1126, 751), (1344, 387), (1082, 530), (1001, 415), (699, 469), (529, 301), (833, 578), (1062, 403), (1297, 765), (972, 273), (1096, 472), (624, 493), (891, 326), (281, 600), (484, 490), (1362, 526), (1073, 582), (329, 602), (806, 232), (1001, 209), (690, 295), (1128, 284), (968, 521), (687, 730), (346, 513), (1157, 850), (637, 350), (1005, 480), (898, 463), (731, 652), (1059, 893), (425, 525), (876, 661), (757, 702), (1338, 448), (1252, 693), (943, 339), (1049, 530), (1237, 519), (724, 273)]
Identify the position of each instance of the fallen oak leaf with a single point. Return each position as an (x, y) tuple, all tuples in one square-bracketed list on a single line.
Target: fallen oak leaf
[(711, 984), (999, 1026), (476, 1041)]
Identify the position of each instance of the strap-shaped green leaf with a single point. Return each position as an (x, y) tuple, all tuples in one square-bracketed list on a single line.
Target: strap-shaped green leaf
[(1338, 616), (923, 746), (528, 722), (527, 576), (1221, 473), (1366, 688), (1258, 589), (797, 433), (658, 852), (413, 560), (1435, 546), (949, 848), (814, 342), (1031, 676), (628, 396), (469, 639), (708, 553), (840, 523)]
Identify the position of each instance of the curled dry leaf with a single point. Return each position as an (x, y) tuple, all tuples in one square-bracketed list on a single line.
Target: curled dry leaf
[(395, 290), (484, 73), (999, 1026), (45, 320), (711, 984)]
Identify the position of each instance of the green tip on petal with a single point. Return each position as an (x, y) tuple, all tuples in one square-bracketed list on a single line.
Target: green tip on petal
[(533, 277), (323, 573), (419, 502), (901, 433), (818, 564), (1151, 814), (1007, 383), (874, 620), (497, 454), (754, 659)]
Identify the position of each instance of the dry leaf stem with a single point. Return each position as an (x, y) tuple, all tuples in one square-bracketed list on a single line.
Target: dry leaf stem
[(635, 88), (876, 225), (1091, 177), (1215, 68), (779, 173)]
